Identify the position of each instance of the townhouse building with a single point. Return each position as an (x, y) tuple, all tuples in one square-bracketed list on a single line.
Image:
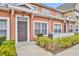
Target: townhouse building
[(22, 22), (71, 12)]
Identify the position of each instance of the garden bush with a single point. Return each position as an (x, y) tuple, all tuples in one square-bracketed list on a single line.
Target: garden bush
[(44, 41), (2, 39), (67, 41), (8, 48), (64, 42), (39, 35)]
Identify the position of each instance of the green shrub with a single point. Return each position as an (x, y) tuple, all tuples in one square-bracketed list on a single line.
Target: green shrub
[(2, 39), (9, 42), (39, 35), (43, 41), (8, 48), (64, 42), (67, 41), (76, 33)]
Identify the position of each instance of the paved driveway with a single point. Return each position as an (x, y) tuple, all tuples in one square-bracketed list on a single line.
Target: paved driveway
[(73, 51), (30, 49)]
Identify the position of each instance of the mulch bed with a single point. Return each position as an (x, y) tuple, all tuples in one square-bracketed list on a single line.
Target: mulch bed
[(57, 50)]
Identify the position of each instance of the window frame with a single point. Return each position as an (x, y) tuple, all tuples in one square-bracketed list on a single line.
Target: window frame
[(41, 27), (57, 24), (71, 28), (46, 11), (76, 28), (8, 27)]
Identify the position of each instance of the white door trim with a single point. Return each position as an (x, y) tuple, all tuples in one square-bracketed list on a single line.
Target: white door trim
[(8, 26), (28, 28)]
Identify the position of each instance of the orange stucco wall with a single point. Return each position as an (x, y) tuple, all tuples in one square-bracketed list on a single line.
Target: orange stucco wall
[(12, 22), (4, 13), (50, 24), (31, 19)]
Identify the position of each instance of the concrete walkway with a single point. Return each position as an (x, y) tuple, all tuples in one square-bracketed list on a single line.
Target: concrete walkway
[(30, 49), (73, 51)]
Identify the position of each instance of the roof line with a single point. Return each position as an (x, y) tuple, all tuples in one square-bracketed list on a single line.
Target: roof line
[(48, 7)]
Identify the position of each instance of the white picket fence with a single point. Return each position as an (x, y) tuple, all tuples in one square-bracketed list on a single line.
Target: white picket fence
[(57, 35)]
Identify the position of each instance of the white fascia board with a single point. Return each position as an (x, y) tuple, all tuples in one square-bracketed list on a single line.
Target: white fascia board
[(37, 13), (2, 8), (28, 5)]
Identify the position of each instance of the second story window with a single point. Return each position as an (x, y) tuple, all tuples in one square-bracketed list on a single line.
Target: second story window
[(59, 14), (46, 11), (34, 8)]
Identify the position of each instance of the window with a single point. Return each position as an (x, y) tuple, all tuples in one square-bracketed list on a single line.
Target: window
[(57, 28), (37, 28), (22, 18), (71, 28), (34, 8), (77, 17), (46, 11), (44, 28), (59, 14), (3, 28), (40, 28), (76, 29)]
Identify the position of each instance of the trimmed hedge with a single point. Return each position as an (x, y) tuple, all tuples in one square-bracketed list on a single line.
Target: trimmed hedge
[(8, 48)]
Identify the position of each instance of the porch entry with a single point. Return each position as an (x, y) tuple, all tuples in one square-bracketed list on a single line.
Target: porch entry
[(22, 28)]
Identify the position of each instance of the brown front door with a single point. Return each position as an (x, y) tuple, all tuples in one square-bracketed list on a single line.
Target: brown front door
[(22, 31), (65, 27)]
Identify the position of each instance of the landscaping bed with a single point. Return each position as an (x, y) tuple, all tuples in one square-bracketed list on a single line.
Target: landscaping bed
[(59, 44), (7, 47)]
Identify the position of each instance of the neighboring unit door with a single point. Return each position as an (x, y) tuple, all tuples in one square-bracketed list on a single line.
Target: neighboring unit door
[(22, 31), (65, 28)]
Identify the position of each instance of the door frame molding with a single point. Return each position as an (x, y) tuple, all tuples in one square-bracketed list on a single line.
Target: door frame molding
[(16, 29)]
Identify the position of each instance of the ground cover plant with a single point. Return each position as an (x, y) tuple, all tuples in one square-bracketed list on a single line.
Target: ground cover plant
[(58, 44)]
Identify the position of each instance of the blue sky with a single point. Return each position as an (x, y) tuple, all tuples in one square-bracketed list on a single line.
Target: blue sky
[(53, 4)]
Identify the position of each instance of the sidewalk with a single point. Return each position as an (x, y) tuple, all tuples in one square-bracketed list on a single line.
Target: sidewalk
[(31, 49), (73, 51)]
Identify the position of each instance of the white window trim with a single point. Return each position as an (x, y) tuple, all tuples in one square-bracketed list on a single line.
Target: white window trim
[(58, 24), (73, 27), (8, 27), (39, 22), (44, 10), (28, 26)]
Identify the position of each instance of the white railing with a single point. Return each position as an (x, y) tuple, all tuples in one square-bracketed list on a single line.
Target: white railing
[(59, 35)]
